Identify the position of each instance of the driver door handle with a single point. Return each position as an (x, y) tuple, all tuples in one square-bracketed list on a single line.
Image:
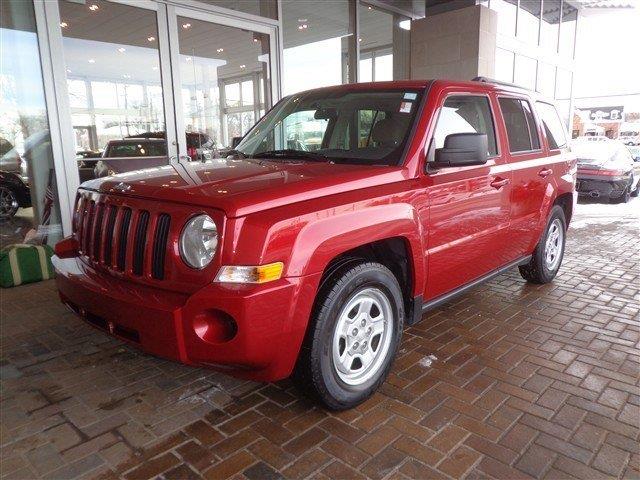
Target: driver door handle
[(545, 172), (499, 182)]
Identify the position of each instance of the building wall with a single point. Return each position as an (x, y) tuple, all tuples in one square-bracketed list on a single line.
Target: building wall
[(458, 44)]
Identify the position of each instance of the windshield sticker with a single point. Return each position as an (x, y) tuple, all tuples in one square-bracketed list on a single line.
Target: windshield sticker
[(410, 95), (405, 107)]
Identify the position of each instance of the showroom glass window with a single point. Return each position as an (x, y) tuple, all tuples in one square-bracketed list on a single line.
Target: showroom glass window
[(113, 80), (504, 65), (529, 21), (259, 8), (225, 83), (568, 30), (549, 27), (30, 208), (384, 44), (318, 44), (525, 70), (507, 11)]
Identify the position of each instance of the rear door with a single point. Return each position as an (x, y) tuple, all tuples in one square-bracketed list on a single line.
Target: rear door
[(468, 206), (532, 173)]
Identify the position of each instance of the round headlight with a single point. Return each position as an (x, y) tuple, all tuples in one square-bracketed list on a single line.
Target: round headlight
[(199, 241)]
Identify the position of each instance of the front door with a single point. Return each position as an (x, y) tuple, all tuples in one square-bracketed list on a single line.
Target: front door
[(468, 206), (224, 79)]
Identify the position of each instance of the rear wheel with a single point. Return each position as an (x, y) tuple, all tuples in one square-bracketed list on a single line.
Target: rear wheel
[(8, 203), (547, 257), (353, 337)]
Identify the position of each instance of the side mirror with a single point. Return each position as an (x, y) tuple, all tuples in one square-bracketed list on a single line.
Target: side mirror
[(235, 141), (462, 149)]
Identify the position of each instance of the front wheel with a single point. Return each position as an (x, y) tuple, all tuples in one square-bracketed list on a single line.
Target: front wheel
[(547, 257), (353, 337)]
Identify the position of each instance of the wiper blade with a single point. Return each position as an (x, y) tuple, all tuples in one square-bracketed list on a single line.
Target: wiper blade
[(293, 154), (236, 153)]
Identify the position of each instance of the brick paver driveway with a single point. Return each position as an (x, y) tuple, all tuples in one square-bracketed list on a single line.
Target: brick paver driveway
[(509, 381)]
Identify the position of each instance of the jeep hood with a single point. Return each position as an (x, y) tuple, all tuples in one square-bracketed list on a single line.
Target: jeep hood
[(241, 187)]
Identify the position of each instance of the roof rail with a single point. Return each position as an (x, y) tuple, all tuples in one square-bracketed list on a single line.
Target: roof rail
[(497, 82)]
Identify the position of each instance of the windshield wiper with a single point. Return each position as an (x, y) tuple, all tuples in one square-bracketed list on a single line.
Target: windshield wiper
[(236, 153), (291, 153)]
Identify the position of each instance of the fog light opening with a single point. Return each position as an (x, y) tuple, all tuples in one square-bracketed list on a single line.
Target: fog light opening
[(214, 326)]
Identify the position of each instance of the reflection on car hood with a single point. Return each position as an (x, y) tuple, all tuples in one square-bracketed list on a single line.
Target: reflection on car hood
[(240, 187)]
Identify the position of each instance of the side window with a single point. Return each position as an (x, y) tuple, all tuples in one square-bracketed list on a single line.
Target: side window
[(531, 123), (466, 114), (521, 128), (302, 131), (552, 125)]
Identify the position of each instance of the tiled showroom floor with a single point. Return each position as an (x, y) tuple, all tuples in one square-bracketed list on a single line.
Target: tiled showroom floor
[(510, 381)]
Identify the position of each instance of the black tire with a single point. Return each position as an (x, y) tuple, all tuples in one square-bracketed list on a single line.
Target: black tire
[(315, 372), (537, 270), (625, 197), (8, 203)]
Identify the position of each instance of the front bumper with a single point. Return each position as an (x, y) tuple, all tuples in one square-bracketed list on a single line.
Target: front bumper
[(270, 319)]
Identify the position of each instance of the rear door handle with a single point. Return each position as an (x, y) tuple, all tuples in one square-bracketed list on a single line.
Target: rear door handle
[(498, 182), (545, 172)]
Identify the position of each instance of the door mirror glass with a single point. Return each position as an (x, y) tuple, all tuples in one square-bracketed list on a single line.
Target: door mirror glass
[(462, 149)]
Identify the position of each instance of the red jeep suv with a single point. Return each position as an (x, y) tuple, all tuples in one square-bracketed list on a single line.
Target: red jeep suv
[(341, 217)]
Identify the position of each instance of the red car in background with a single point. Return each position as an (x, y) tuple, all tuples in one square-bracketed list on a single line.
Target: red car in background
[(285, 260)]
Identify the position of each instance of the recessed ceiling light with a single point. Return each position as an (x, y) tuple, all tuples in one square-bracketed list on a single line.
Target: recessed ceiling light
[(243, 66), (91, 60), (220, 50), (122, 49), (151, 38), (256, 40), (186, 25), (302, 26), (93, 7), (64, 24), (360, 39), (370, 7), (154, 68), (188, 59)]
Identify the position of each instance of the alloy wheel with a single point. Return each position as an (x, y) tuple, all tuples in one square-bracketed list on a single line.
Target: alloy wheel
[(362, 336), (554, 245), (8, 203)]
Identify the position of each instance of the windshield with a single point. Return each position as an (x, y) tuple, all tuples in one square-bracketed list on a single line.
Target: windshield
[(364, 127)]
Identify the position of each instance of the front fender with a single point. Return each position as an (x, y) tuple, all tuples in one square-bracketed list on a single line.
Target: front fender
[(321, 241)]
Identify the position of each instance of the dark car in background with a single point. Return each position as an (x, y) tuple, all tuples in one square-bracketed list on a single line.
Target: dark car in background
[(605, 170), (14, 194), (146, 150)]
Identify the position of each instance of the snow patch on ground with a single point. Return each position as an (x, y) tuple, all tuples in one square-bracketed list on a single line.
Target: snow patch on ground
[(598, 213), (427, 361)]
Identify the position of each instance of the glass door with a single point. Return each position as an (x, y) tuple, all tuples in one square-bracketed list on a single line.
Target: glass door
[(224, 81), (115, 90)]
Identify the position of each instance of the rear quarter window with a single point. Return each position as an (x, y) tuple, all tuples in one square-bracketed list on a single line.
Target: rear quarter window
[(552, 124)]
